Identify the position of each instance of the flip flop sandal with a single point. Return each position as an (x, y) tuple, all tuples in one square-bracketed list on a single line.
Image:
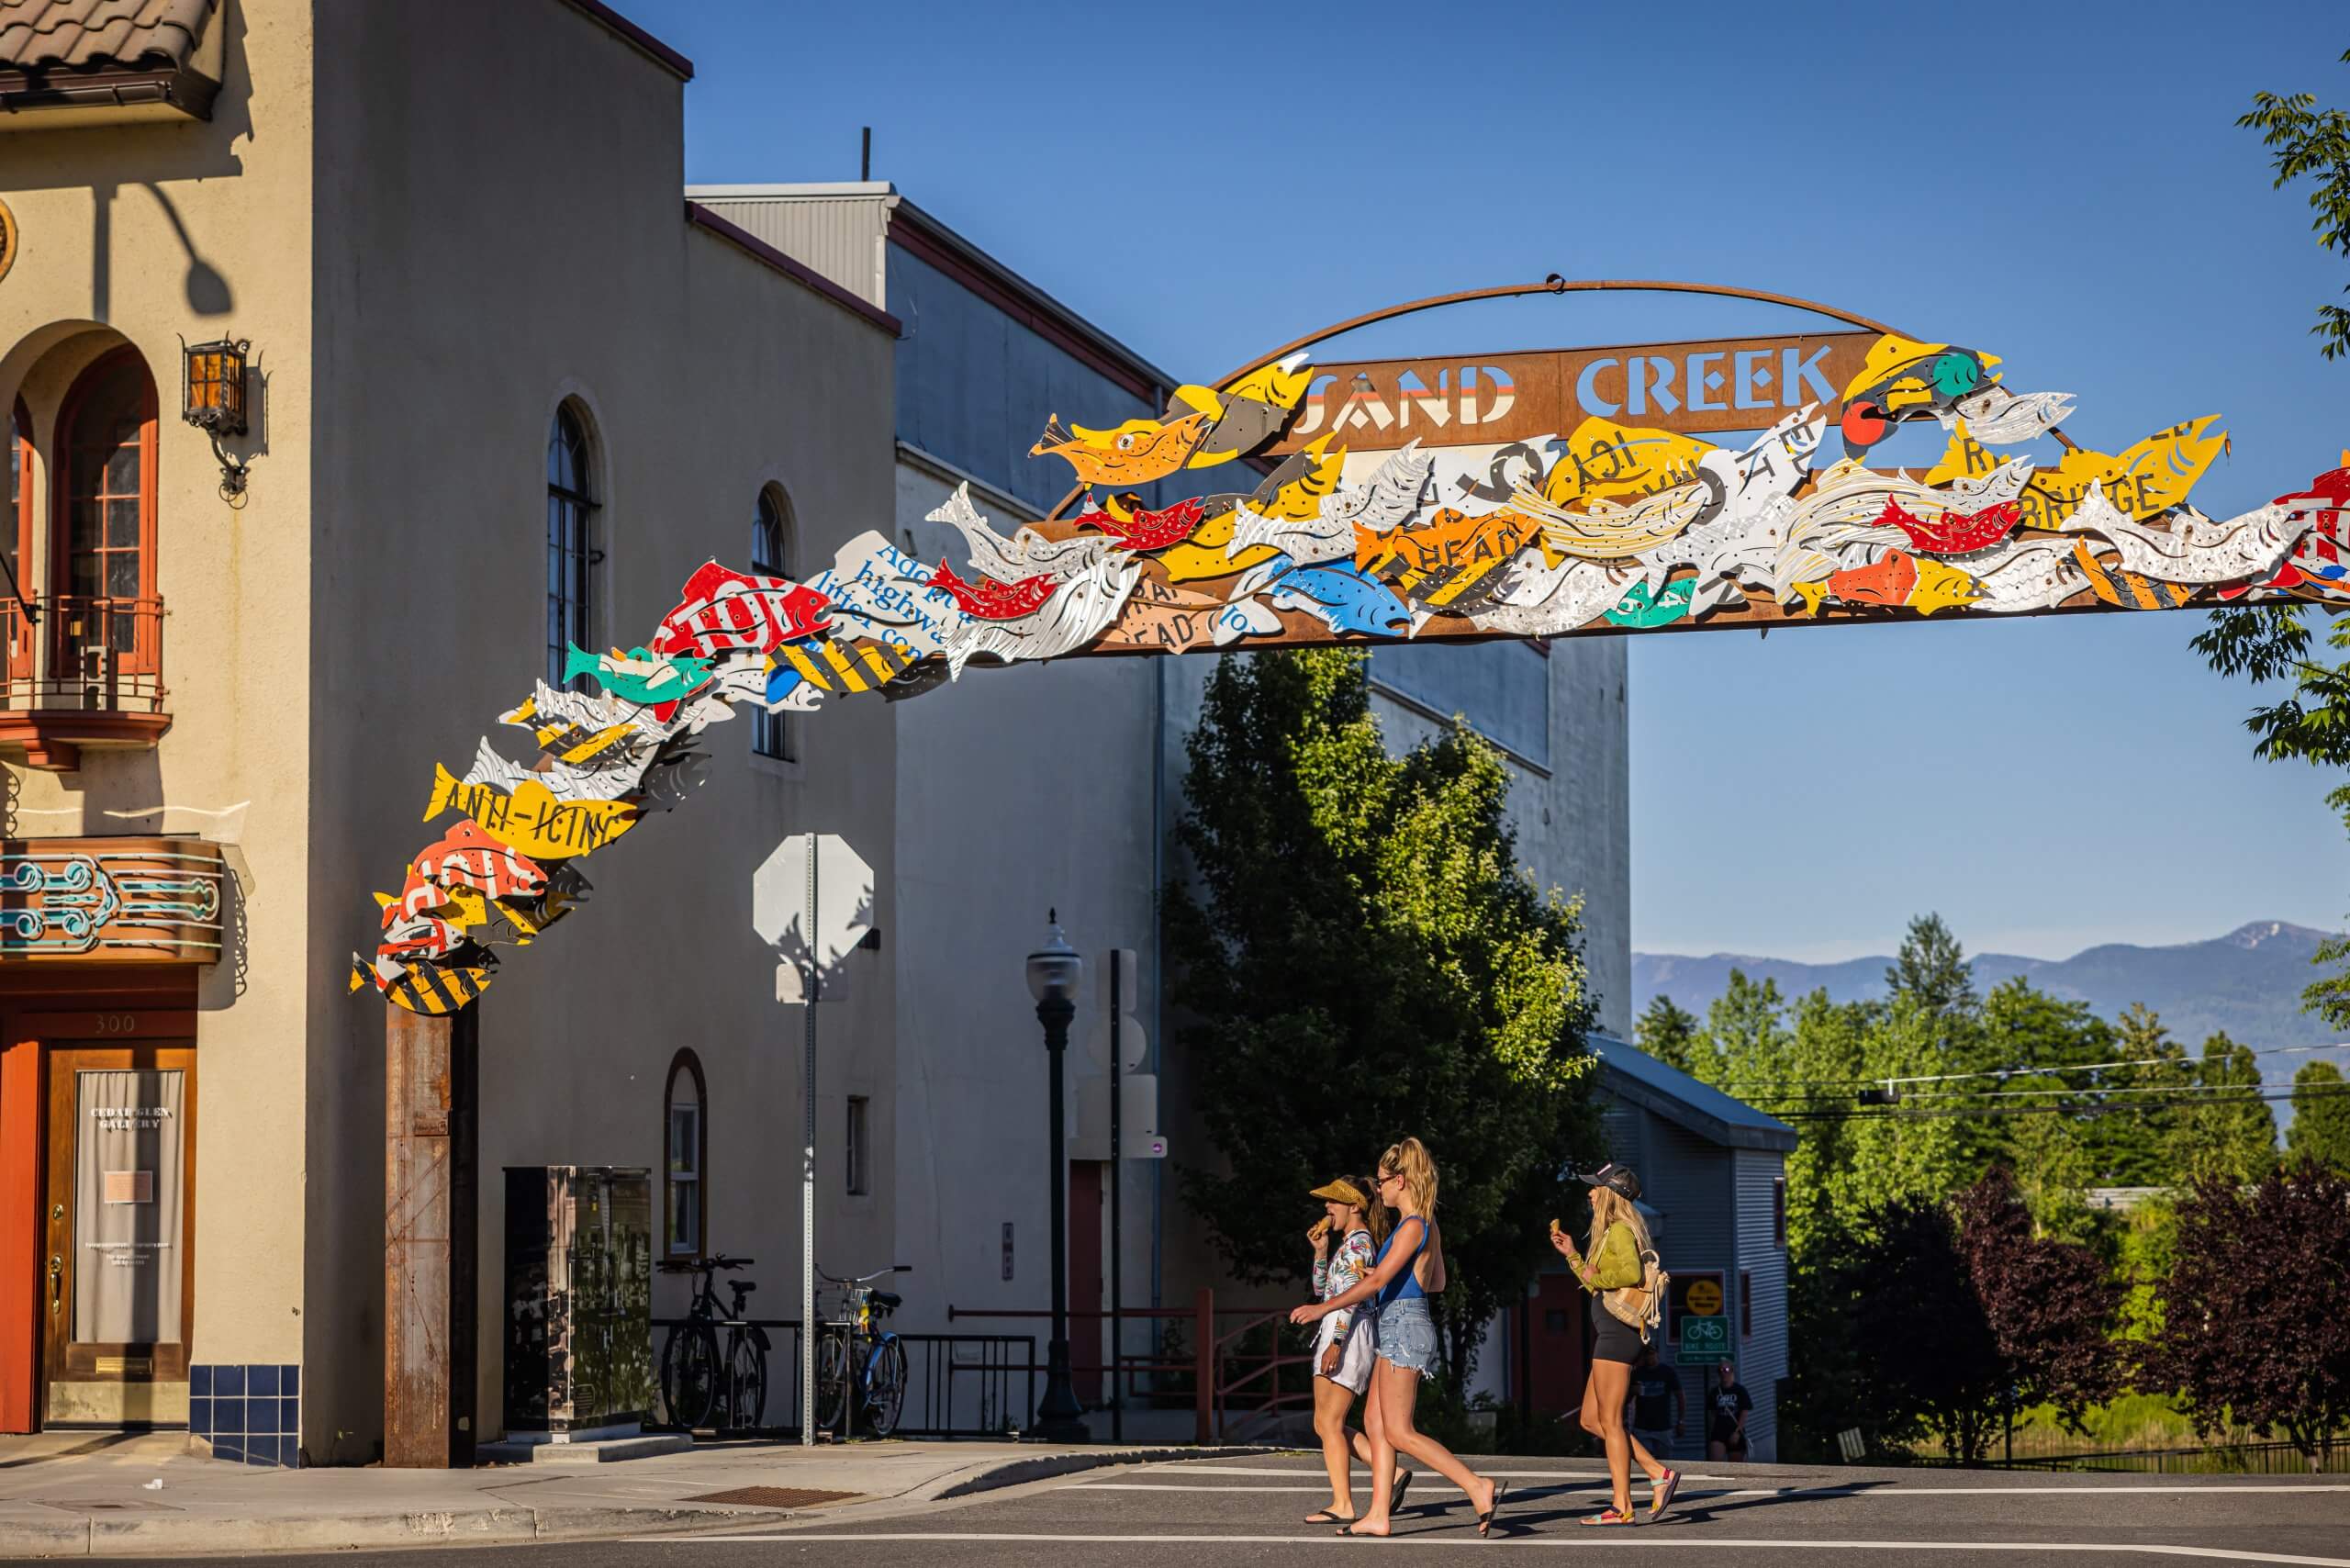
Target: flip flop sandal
[(1325, 1517), (1607, 1516), (1395, 1495), (1485, 1519), (1661, 1498)]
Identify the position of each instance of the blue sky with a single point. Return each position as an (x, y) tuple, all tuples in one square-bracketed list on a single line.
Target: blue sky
[(2064, 187)]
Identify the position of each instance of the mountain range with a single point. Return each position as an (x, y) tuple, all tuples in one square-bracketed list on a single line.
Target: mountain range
[(2247, 983)]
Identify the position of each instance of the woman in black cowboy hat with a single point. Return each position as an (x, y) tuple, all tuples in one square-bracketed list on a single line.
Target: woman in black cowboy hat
[(1616, 1266)]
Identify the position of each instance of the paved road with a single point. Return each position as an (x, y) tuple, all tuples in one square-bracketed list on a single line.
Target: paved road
[(1211, 1513)]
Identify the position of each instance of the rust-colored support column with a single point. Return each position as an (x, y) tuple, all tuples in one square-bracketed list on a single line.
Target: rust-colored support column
[(431, 1208)]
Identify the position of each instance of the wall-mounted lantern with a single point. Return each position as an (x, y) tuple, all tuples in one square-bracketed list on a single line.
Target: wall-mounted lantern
[(213, 400)]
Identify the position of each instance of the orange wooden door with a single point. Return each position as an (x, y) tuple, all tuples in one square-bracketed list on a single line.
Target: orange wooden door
[(117, 1296)]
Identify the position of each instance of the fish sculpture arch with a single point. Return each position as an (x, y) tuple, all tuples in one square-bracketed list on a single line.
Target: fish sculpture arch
[(1601, 526)]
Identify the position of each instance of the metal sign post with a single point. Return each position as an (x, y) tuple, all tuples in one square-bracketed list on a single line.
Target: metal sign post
[(808, 1167), (811, 901)]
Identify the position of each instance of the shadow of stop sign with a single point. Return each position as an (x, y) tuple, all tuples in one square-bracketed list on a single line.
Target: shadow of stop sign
[(818, 937)]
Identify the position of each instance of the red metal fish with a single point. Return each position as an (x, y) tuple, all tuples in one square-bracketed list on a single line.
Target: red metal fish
[(2333, 488), (1954, 532), (1887, 581), (423, 938), (726, 611), (1141, 530), (418, 898), (470, 858), (988, 600)]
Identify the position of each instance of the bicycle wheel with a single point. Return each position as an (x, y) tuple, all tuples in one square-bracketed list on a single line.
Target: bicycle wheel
[(747, 1384), (832, 1383), (885, 1388), (690, 1376)]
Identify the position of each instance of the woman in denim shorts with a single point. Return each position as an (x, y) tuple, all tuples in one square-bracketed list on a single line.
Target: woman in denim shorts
[(1410, 1265)]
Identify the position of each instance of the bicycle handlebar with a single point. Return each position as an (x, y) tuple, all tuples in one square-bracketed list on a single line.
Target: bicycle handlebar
[(862, 1279), (709, 1265)]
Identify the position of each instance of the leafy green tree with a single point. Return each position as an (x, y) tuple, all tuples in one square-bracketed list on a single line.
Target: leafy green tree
[(2255, 1326), (2226, 1132), (2321, 1130), (1745, 1038), (1401, 975), (1924, 1357), (2275, 643), (1667, 1033), (2131, 1139), (1932, 969)]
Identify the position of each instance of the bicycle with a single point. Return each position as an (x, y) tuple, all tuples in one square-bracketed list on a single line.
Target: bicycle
[(695, 1378), (877, 1380)]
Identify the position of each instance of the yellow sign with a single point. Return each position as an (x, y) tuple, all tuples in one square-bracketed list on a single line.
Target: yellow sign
[(1705, 1299)]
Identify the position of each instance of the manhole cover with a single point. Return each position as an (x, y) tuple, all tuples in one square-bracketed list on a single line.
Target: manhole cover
[(773, 1496)]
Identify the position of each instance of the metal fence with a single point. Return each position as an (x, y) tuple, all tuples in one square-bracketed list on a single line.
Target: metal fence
[(957, 1385), (2220, 1459)]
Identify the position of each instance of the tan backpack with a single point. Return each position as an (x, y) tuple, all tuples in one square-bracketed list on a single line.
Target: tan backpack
[(1641, 1306)]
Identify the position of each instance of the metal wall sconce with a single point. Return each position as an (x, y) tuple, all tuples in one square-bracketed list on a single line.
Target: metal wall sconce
[(213, 400)]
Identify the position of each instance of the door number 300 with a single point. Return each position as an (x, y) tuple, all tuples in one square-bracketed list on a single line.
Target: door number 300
[(117, 1022)]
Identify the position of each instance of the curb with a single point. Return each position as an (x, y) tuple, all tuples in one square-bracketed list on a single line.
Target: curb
[(506, 1526), (1044, 1467)]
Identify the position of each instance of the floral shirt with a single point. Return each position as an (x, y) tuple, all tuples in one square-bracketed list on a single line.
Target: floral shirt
[(1345, 1269)]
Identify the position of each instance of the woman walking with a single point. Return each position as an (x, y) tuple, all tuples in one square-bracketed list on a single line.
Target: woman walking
[(1407, 1270), (1343, 1238), (1618, 1238)]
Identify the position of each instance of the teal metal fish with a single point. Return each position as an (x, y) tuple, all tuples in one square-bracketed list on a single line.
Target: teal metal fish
[(1642, 610), (639, 675)]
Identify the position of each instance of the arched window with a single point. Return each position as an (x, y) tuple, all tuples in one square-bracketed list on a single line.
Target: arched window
[(102, 549), (16, 538), (685, 1142), (572, 555), (771, 557)]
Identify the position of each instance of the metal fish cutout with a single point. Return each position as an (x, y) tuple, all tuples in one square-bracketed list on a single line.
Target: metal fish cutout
[(531, 821), (1135, 453), (988, 600), (469, 856), (1954, 533), (638, 675), (728, 612), (1137, 529)]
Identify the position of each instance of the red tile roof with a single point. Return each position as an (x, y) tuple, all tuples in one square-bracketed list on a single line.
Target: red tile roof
[(89, 34)]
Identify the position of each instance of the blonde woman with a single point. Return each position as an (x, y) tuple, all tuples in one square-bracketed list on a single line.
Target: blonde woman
[(1619, 1237), (1351, 1225), (1407, 1270)]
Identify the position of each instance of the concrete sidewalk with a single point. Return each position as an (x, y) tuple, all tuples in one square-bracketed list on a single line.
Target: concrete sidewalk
[(93, 1494)]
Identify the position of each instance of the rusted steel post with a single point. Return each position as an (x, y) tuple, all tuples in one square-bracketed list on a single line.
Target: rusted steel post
[(430, 1212), (1203, 1361)]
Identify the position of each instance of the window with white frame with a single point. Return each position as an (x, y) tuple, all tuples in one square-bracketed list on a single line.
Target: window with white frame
[(686, 1155)]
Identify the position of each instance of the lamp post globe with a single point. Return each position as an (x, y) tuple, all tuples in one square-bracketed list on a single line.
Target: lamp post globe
[(1054, 973)]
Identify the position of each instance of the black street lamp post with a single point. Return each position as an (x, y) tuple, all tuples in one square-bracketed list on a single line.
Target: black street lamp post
[(1053, 971)]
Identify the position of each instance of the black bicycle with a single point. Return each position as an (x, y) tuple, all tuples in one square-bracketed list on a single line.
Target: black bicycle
[(697, 1380), (858, 1364)]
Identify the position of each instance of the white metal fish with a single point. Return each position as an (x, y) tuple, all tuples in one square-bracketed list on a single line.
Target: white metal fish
[(2195, 548), (562, 780), (2027, 572), (1540, 601), (1027, 553), (1081, 609), (1997, 417), (1389, 497)]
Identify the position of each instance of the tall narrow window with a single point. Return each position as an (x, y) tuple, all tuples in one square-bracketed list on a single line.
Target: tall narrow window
[(770, 556), (858, 1146), (572, 555), (16, 538), (686, 1139), (103, 550)]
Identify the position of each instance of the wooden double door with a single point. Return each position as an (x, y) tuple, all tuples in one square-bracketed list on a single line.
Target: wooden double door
[(117, 1224)]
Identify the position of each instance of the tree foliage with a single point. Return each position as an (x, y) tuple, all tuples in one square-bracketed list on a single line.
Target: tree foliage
[(2257, 1309), (2226, 1132), (2050, 1304), (1360, 958), (1932, 969), (2274, 643), (1667, 1033), (2321, 1130)]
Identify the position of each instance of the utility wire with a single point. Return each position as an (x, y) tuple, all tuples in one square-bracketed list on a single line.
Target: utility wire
[(2180, 1060), (1867, 1114)]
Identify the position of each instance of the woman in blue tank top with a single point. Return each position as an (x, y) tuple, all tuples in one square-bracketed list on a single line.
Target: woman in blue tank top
[(1410, 1264)]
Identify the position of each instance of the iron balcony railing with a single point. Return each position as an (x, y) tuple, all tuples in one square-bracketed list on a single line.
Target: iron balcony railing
[(89, 653)]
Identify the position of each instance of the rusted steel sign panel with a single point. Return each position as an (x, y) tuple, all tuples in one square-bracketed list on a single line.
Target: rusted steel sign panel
[(1716, 383)]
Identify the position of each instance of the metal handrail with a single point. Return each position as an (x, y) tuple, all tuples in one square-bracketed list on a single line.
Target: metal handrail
[(96, 653)]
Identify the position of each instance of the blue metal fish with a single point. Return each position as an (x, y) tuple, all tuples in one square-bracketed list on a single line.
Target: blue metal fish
[(1342, 599)]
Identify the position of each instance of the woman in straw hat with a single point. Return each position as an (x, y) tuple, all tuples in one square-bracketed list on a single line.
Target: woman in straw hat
[(1343, 1237)]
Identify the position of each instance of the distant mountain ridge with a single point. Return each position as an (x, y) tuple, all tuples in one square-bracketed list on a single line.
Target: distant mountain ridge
[(2247, 983)]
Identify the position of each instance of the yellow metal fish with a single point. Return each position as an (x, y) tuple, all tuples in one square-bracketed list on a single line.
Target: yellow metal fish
[(2148, 479), (1299, 485), (1135, 453), (1247, 413), (1943, 586), (531, 820), (1606, 461), (1203, 557)]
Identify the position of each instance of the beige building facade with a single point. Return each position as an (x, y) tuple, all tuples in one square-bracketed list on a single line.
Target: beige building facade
[(504, 384)]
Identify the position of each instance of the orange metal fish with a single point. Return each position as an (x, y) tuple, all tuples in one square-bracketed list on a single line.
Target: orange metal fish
[(1135, 453)]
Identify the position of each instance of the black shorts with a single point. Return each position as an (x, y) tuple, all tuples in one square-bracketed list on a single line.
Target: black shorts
[(1614, 1339)]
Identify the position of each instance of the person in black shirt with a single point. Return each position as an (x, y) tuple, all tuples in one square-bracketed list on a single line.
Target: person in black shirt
[(1726, 1430), (1655, 1406)]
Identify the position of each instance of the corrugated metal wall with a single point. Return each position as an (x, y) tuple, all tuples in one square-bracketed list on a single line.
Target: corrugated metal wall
[(1762, 1355), (1689, 1179), (841, 236)]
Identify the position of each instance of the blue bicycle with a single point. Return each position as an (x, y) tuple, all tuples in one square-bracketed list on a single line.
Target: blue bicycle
[(858, 1364)]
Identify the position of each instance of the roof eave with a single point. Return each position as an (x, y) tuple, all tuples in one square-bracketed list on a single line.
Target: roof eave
[(183, 89), (1778, 1136)]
